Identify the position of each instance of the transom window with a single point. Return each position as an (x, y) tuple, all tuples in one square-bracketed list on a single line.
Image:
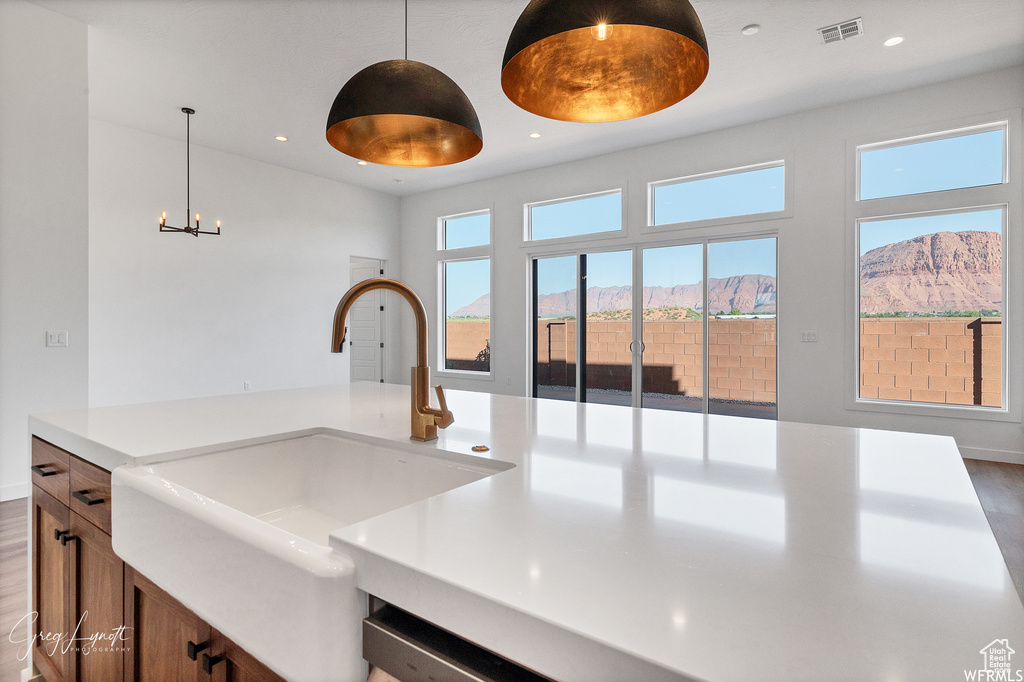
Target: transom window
[(954, 159), (466, 230), (591, 214), (746, 191)]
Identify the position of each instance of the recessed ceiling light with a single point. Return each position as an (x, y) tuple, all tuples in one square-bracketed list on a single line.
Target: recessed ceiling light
[(895, 40), (750, 29), (535, 135), (361, 163), (281, 138)]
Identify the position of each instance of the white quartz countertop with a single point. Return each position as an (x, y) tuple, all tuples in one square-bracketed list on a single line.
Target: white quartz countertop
[(708, 547)]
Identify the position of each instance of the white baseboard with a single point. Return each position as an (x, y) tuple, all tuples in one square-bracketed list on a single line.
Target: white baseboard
[(988, 454), (13, 491), (30, 675)]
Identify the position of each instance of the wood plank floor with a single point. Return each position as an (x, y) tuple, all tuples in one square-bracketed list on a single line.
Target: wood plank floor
[(1000, 488), (13, 583)]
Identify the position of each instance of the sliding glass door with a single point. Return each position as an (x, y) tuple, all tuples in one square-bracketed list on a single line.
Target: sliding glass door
[(607, 370), (698, 337), (554, 338), (673, 328), (741, 328)]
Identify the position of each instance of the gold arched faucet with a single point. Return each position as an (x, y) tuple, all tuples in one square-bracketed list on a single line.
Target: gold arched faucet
[(425, 419)]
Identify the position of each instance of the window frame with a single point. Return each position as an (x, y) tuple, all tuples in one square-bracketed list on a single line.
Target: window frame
[(572, 239), (1005, 196), (948, 134), (442, 226), (457, 255), (783, 161), (637, 248)]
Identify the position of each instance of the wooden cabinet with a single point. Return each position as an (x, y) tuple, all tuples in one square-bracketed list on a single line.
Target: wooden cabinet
[(173, 644), (98, 618), (168, 638), (78, 581), (228, 662), (51, 521), (97, 589)]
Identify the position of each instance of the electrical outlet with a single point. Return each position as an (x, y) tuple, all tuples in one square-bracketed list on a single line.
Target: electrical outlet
[(246, 385), (57, 339), (809, 337)]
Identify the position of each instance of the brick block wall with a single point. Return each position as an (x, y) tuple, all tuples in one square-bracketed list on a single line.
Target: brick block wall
[(942, 360), (951, 360), (741, 356), (465, 339)]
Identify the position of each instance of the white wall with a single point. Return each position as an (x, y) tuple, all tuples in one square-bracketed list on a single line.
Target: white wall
[(175, 316), (815, 276), (43, 224)]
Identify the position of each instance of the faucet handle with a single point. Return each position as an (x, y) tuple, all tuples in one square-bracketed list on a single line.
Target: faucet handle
[(446, 418)]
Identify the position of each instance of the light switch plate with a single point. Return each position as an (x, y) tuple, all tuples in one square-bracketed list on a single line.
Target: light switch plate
[(809, 337), (57, 339)]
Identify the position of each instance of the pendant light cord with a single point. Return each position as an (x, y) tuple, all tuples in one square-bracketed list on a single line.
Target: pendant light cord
[(188, 169), (406, 30)]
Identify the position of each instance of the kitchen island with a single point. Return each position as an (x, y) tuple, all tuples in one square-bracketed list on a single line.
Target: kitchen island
[(641, 544)]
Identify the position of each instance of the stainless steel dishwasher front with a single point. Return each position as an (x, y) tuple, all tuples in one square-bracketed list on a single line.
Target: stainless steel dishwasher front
[(413, 650)]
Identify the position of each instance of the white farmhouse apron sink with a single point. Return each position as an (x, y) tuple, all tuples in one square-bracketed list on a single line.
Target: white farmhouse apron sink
[(240, 536)]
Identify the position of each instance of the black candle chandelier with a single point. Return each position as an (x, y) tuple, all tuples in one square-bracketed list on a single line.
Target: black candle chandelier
[(195, 231)]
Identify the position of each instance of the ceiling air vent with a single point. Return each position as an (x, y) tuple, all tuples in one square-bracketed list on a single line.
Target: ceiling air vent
[(840, 31)]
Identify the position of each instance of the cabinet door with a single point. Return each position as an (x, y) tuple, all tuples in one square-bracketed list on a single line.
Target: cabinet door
[(161, 629), (228, 662), (50, 585), (96, 605)]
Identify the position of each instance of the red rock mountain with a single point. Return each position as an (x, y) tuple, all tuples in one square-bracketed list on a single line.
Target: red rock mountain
[(749, 293), (940, 272)]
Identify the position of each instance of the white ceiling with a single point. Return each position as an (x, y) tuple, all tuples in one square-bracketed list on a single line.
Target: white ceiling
[(254, 69)]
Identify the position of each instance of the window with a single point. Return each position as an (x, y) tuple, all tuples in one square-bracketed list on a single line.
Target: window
[(590, 214), (465, 292), (931, 299), (954, 159), (609, 346), (471, 229), (467, 309), (745, 191), (930, 271), (733, 308)]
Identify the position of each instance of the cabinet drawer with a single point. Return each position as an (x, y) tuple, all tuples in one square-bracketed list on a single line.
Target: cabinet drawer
[(90, 493), (50, 469)]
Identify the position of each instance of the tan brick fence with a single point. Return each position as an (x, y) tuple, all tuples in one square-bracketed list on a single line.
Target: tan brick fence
[(952, 360)]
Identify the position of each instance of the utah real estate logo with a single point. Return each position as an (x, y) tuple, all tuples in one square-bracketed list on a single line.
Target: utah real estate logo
[(997, 655)]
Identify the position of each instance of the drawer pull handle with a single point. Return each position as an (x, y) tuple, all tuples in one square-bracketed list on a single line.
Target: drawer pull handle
[(81, 496), (194, 649), (44, 470), (209, 662), (65, 539), (57, 533)]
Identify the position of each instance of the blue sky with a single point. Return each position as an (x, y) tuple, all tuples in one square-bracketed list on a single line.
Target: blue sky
[(756, 191), (466, 281), (966, 160), (470, 230), (572, 218), (882, 232), (665, 266)]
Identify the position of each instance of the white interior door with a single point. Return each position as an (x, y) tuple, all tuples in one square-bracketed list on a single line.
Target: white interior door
[(366, 323)]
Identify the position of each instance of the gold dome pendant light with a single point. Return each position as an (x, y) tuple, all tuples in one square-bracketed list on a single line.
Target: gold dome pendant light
[(604, 60), (404, 113)]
